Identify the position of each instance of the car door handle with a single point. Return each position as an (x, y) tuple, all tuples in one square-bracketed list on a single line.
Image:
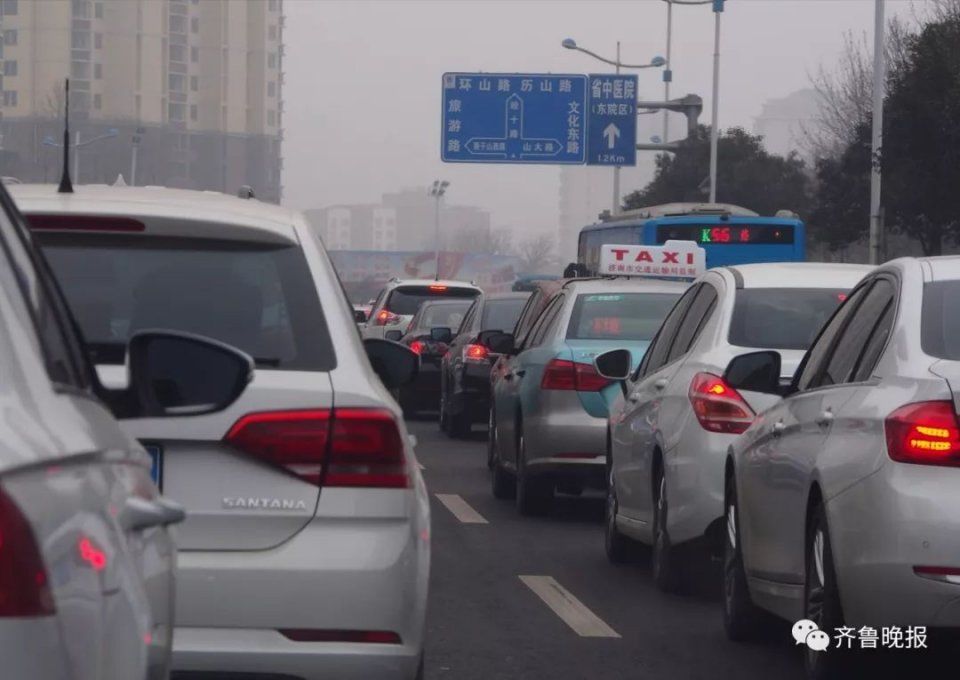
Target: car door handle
[(778, 428), (634, 398), (660, 383), (826, 417), (520, 373)]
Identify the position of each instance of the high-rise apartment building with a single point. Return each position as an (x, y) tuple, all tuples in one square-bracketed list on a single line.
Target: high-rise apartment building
[(184, 93)]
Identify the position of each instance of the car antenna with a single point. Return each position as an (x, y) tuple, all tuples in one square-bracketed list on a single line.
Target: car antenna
[(66, 186)]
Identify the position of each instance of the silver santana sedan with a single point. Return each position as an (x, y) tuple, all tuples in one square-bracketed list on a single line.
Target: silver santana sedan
[(842, 501)]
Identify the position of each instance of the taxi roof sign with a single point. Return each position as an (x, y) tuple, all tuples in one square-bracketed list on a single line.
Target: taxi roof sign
[(674, 259)]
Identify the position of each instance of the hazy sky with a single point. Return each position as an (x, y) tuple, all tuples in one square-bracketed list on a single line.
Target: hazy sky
[(362, 90)]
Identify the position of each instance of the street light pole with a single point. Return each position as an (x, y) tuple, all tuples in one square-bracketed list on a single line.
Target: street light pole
[(616, 168), (879, 81), (438, 189), (667, 73), (714, 126)]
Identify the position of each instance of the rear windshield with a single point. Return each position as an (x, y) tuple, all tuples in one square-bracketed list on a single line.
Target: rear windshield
[(781, 318), (619, 316), (445, 315), (406, 300), (501, 315), (940, 320), (259, 299)]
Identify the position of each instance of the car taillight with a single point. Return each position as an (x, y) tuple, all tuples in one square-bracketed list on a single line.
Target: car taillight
[(24, 587), (366, 450), (924, 433), (475, 353), (561, 374), (418, 346), (386, 318), (719, 407)]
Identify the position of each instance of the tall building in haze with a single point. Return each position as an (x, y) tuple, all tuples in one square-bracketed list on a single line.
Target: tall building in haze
[(182, 93)]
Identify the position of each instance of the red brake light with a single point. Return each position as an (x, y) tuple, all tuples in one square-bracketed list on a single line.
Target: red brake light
[(475, 353), (84, 223), (386, 318), (24, 588), (438, 288), (561, 374), (418, 346), (924, 433), (366, 449), (719, 407)]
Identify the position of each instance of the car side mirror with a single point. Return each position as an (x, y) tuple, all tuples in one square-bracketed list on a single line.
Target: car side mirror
[(441, 334), (483, 336), (499, 343), (180, 374), (359, 316), (395, 364), (615, 365), (393, 335), (755, 372)]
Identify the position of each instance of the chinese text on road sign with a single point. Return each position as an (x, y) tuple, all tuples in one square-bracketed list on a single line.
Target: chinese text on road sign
[(612, 116)]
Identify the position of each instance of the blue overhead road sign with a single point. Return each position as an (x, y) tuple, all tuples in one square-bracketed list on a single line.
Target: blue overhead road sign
[(514, 118), (612, 115)]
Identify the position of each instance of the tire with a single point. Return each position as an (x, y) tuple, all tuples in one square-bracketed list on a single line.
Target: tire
[(534, 496), (821, 600), (741, 617), (618, 547), (502, 484), (460, 424), (664, 560), (491, 436)]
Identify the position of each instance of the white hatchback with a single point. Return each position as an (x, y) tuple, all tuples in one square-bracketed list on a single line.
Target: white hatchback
[(306, 549)]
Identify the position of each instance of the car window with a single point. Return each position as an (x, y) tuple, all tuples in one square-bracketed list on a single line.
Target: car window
[(618, 316), (700, 311), (527, 317), (940, 319), (443, 315), (818, 353), (258, 298), (61, 348), (873, 350), (469, 318), (501, 315), (545, 321), (406, 300), (781, 318), (856, 333), (657, 353)]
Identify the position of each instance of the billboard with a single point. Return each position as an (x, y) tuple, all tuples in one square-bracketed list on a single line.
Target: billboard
[(365, 272)]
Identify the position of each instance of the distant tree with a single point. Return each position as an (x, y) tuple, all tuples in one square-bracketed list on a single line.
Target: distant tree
[(537, 253), (841, 210), (747, 175), (484, 241)]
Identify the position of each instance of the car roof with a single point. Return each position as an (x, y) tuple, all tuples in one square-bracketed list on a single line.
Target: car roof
[(446, 301), (164, 211), (450, 283), (506, 296), (626, 285), (798, 274), (943, 267)]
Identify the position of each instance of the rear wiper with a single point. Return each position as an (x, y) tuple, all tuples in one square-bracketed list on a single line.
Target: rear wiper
[(266, 361)]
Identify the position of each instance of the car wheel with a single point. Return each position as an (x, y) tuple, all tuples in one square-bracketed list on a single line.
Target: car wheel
[(821, 601), (741, 618), (491, 437), (619, 548), (666, 574), (502, 484), (460, 424), (533, 495)]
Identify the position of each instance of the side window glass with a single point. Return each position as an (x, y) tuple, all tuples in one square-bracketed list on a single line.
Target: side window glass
[(526, 319), (62, 353), (546, 318), (856, 333), (878, 340), (700, 310), (659, 351), (468, 318), (818, 353)]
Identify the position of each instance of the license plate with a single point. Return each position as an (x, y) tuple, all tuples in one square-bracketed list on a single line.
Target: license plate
[(156, 463)]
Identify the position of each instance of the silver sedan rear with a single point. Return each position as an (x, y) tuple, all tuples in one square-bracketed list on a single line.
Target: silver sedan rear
[(842, 499)]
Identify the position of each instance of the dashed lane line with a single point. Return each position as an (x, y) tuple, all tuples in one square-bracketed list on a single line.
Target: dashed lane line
[(570, 610), (460, 508)]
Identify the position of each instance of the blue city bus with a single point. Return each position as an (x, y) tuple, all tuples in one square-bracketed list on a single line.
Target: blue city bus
[(730, 234)]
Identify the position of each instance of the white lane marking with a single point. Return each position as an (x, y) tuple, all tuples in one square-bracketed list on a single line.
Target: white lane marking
[(460, 508), (571, 610)]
